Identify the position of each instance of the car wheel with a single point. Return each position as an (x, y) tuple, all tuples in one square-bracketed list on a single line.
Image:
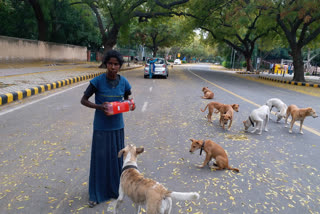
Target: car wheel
[(145, 76)]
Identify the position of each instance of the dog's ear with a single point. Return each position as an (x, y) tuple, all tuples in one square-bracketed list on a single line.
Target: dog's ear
[(192, 140), (120, 153), (139, 150)]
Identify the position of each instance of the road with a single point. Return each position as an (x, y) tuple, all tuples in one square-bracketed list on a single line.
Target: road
[(46, 144)]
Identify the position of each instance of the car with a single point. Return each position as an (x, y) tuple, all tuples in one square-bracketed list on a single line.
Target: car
[(177, 62), (161, 68)]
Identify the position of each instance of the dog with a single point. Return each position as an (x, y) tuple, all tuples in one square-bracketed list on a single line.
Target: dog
[(217, 107), (298, 115), (207, 93), (258, 117), (155, 196), (281, 107), (213, 151), (226, 116), (211, 107)]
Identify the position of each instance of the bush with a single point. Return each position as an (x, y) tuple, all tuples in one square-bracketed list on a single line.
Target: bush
[(307, 74), (184, 61), (226, 64)]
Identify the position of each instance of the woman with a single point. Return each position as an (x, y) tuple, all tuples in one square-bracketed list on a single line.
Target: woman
[(152, 66), (108, 130)]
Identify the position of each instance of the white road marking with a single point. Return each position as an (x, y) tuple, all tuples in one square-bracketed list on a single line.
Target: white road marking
[(36, 101), (144, 107), (150, 89)]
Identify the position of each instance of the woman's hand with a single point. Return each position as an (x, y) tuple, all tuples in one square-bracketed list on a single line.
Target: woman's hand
[(105, 109)]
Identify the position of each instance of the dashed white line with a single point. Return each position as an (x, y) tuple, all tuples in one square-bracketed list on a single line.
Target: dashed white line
[(144, 107), (150, 89)]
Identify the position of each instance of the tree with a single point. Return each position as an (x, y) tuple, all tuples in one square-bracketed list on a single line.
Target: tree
[(112, 15), (39, 7), (162, 32), (237, 23), (299, 21), (17, 20)]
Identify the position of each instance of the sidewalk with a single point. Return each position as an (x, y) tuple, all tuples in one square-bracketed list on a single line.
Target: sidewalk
[(313, 81), (20, 82)]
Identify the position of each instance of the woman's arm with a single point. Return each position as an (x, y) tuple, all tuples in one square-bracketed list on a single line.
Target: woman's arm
[(85, 101), (85, 98)]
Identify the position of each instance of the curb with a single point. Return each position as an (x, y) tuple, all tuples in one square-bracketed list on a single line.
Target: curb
[(18, 95), (292, 82), (246, 72)]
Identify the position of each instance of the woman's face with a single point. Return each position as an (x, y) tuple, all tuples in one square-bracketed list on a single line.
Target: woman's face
[(113, 66)]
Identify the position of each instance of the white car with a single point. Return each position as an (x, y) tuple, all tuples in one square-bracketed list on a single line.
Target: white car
[(177, 62), (161, 68)]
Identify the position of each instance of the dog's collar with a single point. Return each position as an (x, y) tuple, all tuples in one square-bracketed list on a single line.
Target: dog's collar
[(202, 147), (129, 167), (252, 123)]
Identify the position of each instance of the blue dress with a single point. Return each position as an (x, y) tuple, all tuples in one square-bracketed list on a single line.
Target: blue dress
[(107, 141), (151, 63)]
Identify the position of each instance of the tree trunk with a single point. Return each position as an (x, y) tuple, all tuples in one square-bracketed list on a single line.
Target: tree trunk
[(298, 66), (109, 42), (42, 28), (249, 63), (155, 50)]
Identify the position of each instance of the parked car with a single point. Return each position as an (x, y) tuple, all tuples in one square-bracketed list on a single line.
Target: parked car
[(177, 62), (161, 68)]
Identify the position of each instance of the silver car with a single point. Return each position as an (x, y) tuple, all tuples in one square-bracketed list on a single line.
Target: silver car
[(161, 68)]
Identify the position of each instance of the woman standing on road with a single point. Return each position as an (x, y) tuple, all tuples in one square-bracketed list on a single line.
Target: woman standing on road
[(108, 131)]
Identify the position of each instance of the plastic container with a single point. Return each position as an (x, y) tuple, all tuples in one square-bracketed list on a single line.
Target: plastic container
[(119, 106)]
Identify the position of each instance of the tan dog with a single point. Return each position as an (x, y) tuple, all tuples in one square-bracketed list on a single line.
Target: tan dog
[(207, 94), (213, 151), (298, 115), (211, 107), (226, 114), (142, 190)]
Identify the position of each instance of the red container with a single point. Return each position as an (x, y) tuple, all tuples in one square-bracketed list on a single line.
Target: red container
[(120, 106)]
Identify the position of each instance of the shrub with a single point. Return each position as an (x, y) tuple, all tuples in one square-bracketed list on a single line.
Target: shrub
[(184, 61), (226, 64)]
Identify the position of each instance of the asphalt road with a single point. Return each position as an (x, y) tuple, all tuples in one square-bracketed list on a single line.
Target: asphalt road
[(46, 144)]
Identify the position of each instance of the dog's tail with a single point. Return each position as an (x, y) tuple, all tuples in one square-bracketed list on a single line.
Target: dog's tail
[(234, 169), (185, 195), (204, 108)]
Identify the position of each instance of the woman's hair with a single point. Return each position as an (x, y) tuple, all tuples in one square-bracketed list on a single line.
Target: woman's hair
[(113, 54)]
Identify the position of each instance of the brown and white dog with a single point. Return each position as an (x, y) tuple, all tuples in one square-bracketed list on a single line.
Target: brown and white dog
[(207, 94), (213, 151), (298, 115), (155, 196)]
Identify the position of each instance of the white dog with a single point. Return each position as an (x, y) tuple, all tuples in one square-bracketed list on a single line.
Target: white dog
[(155, 196), (258, 117), (281, 107)]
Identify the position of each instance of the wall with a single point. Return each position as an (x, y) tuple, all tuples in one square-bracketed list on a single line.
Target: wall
[(16, 49)]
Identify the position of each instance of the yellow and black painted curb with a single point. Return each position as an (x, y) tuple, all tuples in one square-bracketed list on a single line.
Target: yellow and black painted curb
[(247, 72), (292, 82), (18, 95)]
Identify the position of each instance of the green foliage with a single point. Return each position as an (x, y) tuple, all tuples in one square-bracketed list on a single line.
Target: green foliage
[(65, 23), (17, 20)]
